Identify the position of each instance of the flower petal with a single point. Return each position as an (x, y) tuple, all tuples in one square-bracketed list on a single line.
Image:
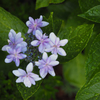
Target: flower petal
[(40, 19), (41, 48), (22, 72), (19, 72), (29, 67), (35, 76), (31, 19), (28, 23), (8, 60), (44, 23), (63, 42), (17, 62), (37, 63), (57, 41), (35, 43), (21, 56), (34, 31), (38, 35), (54, 51), (27, 82), (49, 49), (52, 37), (5, 47), (18, 36), (29, 30), (51, 71), (54, 63), (32, 80), (43, 72), (20, 79), (53, 57), (12, 35), (38, 28), (44, 56), (61, 51)]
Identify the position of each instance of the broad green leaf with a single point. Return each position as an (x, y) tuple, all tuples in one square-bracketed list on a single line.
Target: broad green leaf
[(54, 25), (87, 4), (62, 10), (45, 3), (91, 90), (93, 60), (74, 71), (77, 43), (70, 25), (28, 92), (7, 22), (92, 14)]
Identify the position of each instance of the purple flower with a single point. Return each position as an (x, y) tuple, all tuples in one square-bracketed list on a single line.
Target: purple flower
[(55, 44), (28, 78), (46, 64), (35, 24), (14, 55), (14, 40), (43, 41)]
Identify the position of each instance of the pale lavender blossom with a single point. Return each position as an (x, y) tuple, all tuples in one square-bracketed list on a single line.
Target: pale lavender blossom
[(43, 41), (15, 55), (28, 78), (34, 25), (46, 64), (55, 44), (14, 40)]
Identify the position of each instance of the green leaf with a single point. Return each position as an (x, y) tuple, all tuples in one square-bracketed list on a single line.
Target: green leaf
[(28, 92), (87, 4), (54, 25), (74, 71), (90, 91), (7, 22), (77, 43), (93, 60), (92, 14), (45, 3)]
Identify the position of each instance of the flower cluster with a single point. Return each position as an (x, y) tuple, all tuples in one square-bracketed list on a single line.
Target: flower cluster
[(15, 48), (36, 44)]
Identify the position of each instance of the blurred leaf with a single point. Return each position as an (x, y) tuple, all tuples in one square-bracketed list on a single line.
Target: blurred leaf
[(87, 4), (63, 10), (48, 88), (77, 43), (45, 3), (70, 25), (54, 25), (74, 71), (7, 22), (93, 60), (28, 92), (90, 91), (92, 14)]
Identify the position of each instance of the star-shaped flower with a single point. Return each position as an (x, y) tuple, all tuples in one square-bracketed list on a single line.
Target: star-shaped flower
[(34, 25), (46, 64), (15, 55), (28, 78), (43, 41), (55, 44), (14, 40)]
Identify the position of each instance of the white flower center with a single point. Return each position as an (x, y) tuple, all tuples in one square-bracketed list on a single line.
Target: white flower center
[(35, 25), (15, 55), (42, 40), (55, 46), (46, 64)]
